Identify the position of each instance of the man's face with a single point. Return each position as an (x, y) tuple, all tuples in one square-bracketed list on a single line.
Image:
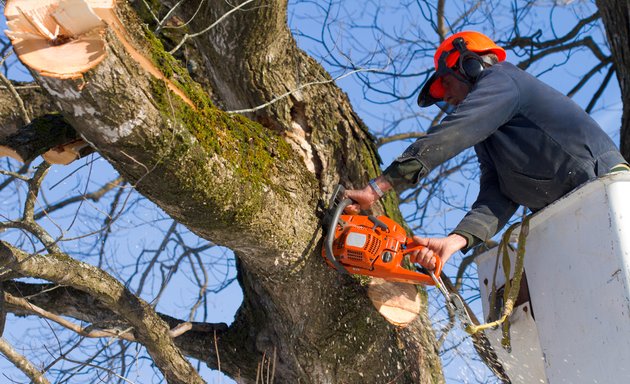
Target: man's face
[(455, 90)]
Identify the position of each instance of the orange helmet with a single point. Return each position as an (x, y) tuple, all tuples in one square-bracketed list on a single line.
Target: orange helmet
[(459, 51)]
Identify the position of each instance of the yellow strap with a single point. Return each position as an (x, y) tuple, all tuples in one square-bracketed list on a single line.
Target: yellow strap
[(620, 168), (511, 288), (493, 293)]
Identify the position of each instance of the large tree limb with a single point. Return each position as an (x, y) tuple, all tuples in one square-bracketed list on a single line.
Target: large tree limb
[(149, 329), (254, 188), (36, 102), (197, 342)]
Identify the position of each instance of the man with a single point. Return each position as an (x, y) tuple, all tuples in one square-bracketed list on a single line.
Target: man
[(534, 144)]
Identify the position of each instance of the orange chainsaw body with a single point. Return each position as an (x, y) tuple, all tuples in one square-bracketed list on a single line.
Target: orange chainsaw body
[(377, 247)]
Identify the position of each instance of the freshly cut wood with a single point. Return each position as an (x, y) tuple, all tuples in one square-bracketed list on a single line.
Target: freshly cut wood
[(10, 152), (76, 17), (65, 154), (68, 61), (64, 38), (399, 303), (57, 38)]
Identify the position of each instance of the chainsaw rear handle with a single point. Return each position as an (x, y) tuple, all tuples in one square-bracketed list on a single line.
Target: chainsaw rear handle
[(438, 260), (330, 235)]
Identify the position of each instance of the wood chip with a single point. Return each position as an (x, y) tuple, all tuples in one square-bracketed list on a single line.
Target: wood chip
[(77, 17)]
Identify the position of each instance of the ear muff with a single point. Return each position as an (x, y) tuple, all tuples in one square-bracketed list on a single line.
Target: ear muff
[(471, 66), (469, 63)]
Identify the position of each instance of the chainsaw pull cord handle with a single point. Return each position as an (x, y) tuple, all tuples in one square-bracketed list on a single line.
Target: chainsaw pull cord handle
[(330, 235)]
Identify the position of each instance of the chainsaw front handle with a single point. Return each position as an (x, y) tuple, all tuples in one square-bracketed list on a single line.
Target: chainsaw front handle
[(437, 259), (330, 234)]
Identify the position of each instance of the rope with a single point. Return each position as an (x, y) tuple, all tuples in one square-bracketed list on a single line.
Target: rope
[(513, 286)]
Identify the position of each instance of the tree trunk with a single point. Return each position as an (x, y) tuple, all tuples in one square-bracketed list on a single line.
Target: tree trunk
[(256, 186), (616, 18)]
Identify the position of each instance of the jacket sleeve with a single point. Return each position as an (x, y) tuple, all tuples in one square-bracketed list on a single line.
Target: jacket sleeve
[(492, 209), (492, 102)]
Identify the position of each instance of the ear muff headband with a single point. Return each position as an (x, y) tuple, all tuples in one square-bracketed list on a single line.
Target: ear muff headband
[(469, 63)]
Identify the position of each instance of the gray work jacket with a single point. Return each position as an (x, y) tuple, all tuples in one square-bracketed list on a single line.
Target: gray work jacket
[(533, 143)]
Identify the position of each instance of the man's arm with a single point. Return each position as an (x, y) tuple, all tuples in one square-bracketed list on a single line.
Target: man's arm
[(366, 197), (492, 209), (492, 102)]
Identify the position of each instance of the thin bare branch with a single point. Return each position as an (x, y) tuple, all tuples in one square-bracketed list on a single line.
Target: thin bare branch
[(401, 136), (123, 334), (15, 175), (216, 349), (168, 15), (600, 90), (301, 87), (468, 12), (83, 331), (586, 42), (22, 363), (531, 41), (94, 196), (441, 29), (165, 19), (22, 87), (155, 257), (588, 76), (18, 100), (153, 15), (33, 190), (20, 173)]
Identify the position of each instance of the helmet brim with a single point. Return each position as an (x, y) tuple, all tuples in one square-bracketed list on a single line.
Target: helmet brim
[(432, 91)]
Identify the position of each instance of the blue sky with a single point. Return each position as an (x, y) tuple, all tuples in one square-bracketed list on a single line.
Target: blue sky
[(142, 227)]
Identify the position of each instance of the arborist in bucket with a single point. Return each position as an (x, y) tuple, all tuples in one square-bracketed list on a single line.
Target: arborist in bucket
[(533, 143)]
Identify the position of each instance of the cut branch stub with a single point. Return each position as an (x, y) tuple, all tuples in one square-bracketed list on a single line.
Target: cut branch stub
[(49, 135), (65, 38), (57, 38), (398, 303), (67, 153)]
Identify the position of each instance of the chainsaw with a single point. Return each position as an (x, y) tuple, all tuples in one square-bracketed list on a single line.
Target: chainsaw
[(372, 246), (379, 247)]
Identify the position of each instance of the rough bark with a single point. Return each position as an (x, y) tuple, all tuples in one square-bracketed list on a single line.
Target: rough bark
[(198, 342), (36, 102), (148, 328), (616, 18), (39, 136), (255, 187), (23, 137)]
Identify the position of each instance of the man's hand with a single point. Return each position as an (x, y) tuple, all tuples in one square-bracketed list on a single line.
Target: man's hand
[(444, 247), (366, 197)]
